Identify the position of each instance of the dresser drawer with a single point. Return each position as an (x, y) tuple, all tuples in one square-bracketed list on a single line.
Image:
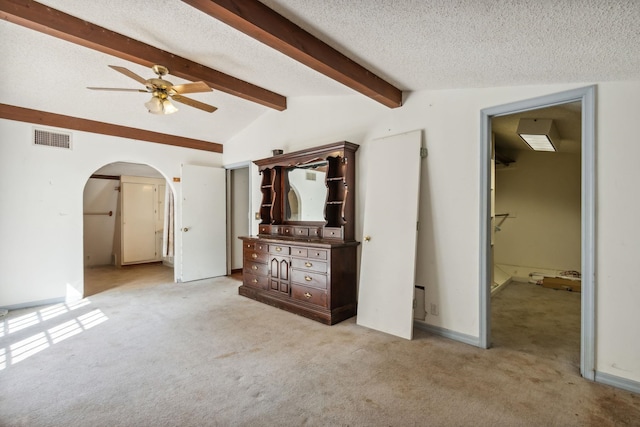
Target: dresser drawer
[(279, 249), (309, 265), (268, 229), (286, 230), (255, 268), (254, 281), (301, 252), (332, 233), (256, 256), (306, 231), (301, 231), (256, 246), (309, 278), (317, 253), (311, 295)]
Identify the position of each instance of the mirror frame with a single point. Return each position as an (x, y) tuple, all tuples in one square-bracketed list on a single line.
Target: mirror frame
[(341, 228)]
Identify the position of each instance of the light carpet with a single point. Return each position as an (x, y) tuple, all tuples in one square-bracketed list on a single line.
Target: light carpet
[(149, 352)]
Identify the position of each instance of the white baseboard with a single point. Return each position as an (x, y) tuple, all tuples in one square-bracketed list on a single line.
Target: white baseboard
[(619, 382), (34, 303), (447, 333)]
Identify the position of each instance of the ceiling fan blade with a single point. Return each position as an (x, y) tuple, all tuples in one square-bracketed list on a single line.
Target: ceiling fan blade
[(128, 73), (119, 89), (194, 87), (193, 103)]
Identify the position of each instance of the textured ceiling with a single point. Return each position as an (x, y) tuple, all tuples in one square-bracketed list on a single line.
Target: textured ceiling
[(437, 44), (414, 44)]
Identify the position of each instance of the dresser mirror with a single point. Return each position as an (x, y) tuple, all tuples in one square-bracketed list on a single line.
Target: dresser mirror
[(306, 191)]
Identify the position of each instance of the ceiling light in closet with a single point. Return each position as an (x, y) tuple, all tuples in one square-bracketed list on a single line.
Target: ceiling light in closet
[(539, 134)]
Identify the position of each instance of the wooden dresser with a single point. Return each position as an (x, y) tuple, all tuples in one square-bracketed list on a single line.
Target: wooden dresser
[(315, 279), (304, 258)]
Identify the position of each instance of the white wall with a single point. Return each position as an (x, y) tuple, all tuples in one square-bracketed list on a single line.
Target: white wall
[(618, 230), (542, 193), (100, 196), (42, 199), (448, 245)]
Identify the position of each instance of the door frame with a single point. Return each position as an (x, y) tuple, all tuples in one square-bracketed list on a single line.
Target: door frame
[(229, 168), (587, 97)]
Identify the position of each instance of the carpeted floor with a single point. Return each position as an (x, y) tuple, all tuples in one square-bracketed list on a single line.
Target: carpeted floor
[(149, 352)]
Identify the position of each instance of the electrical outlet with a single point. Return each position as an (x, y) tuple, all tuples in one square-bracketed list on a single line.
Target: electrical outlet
[(434, 309)]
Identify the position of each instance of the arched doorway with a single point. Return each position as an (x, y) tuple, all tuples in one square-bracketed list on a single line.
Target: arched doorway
[(127, 222)]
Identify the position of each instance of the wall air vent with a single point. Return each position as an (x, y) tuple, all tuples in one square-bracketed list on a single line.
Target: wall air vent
[(51, 139)]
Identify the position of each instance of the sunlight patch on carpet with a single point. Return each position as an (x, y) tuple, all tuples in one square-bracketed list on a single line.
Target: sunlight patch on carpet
[(14, 349)]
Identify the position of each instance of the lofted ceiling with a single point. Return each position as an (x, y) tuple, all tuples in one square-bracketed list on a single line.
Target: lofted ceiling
[(411, 44)]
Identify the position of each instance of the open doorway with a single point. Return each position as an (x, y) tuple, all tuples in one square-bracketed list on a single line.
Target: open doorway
[(128, 222), (238, 212), (586, 98), (536, 242)]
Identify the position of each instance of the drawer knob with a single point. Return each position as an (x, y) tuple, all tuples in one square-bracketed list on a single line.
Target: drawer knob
[(278, 249), (307, 264), (307, 294), (254, 256), (255, 280), (254, 267), (307, 278)]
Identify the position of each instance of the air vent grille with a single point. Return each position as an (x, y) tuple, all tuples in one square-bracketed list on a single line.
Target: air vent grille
[(51, 139)]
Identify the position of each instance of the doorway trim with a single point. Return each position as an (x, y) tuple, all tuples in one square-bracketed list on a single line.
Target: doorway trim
[(586, 96), (229, 168)]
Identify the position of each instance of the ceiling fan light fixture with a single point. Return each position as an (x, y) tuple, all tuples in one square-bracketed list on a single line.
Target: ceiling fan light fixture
[(168, 107), (163, 91), (154, 105), (539, 134), (160, 106)]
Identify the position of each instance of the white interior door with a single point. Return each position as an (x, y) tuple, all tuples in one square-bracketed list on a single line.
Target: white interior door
[(138, 222), (203, 228), (387, 267)]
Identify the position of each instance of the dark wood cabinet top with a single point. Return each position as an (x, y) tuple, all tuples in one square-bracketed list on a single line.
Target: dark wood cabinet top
[(294, 241)]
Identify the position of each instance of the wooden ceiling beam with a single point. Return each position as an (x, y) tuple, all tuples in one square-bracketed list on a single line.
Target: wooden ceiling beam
[(20, 114), (50, 21), (267, 26)]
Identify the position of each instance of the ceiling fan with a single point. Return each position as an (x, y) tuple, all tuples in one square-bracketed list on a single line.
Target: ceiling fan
[(162, 91)]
